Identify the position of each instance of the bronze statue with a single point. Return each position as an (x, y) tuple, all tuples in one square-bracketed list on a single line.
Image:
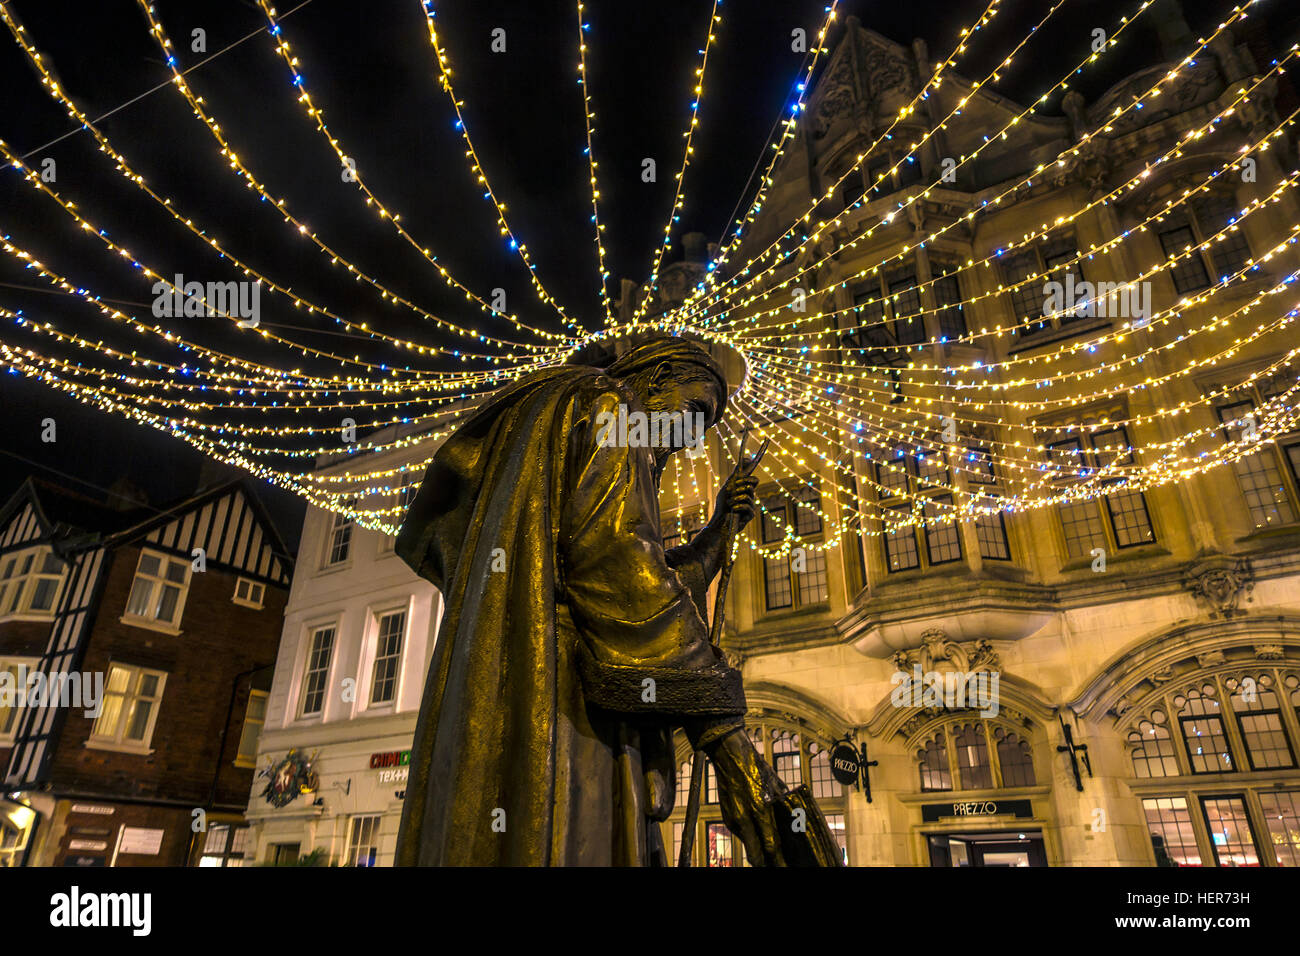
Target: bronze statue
[(572, 644)]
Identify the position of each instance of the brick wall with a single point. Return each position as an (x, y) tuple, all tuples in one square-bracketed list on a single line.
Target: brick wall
[(219, 640)]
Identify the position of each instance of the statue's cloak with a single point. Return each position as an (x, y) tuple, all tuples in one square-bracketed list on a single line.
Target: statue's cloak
[(570, 643)]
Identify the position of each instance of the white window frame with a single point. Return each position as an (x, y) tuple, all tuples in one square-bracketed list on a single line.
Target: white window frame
[(22, 585), (117, 740), (17, 663), (332, 528), (154, 623), (232, 852), (304, 663), (376, 618), (248, 600), (349, 855)]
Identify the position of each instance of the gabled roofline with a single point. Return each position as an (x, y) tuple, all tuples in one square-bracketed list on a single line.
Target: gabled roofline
[(243, 483)]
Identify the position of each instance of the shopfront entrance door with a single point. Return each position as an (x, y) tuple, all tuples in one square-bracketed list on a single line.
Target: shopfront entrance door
[(1016, 848)]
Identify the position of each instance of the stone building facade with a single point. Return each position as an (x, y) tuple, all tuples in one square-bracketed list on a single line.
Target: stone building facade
[(1158, 628)]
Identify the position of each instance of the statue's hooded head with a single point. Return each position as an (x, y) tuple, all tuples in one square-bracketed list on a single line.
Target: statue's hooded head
[(674, 375)]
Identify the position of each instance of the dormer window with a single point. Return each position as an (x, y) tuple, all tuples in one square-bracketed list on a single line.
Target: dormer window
[(30, 582)]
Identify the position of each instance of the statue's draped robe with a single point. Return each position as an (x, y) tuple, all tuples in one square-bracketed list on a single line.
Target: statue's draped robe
[(570, 646)]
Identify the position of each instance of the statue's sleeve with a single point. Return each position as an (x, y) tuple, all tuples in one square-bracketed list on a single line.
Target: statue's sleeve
[(644, 646)]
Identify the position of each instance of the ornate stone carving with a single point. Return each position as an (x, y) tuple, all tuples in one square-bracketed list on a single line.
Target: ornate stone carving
[(1210, 659), (1268, 652), (937, 649), (1195, 85), (1221, 581), (836, 97)]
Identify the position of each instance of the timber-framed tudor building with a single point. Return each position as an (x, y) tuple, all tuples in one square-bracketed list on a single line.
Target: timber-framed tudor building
[(177, 611)]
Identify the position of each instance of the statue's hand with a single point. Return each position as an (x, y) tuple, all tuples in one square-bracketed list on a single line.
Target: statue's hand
[(746, 786), (738, 497)]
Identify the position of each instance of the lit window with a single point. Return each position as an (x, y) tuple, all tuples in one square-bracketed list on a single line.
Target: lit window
[(10, 711), (254, 719), (130, 707), (933, 762), (1259, 716), (835, 823), (1115, 520), (720, 852), (15, 833), (785, 757), (798, 760), (1269, 474), (972, 749), (969, 744), (1151, 748), (1230, 831), (1203, 732), (797, 579), (1170, 826), (30, 582), (320, 650), (1014, 758), (824, 784), (224, 846), (363, 841), (1282, 815), (388, 657), (918, 473), (249, 593), (159, 590)]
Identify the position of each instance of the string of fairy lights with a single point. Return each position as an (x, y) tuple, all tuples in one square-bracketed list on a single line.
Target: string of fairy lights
[(888, 406)]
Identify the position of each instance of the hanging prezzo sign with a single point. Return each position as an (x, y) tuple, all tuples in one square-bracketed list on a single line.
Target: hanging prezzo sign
[(845, 763)]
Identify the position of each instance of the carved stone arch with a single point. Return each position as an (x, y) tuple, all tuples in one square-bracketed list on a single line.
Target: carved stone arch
[(1195, 84), (1168, 180), (1122, 687), (779, 703), (1019, 703)]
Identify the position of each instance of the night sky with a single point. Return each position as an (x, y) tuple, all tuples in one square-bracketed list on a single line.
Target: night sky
[(370, 67)]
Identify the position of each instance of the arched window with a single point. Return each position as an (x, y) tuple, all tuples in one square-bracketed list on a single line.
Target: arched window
[(1259, 717), (1203, 733), (1152, 748), (1015, 759), (933, 759), (796, 756), (1195, 822), (824, 785), (972, 749), (971, 745), (785, 756)]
